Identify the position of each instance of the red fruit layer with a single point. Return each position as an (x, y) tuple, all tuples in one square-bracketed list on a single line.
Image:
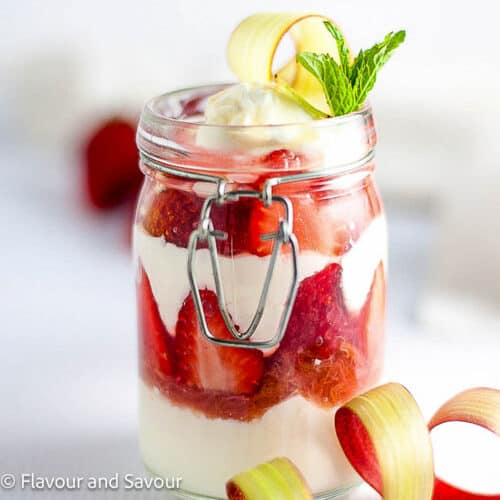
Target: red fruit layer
[(326, 220), (328, 354)]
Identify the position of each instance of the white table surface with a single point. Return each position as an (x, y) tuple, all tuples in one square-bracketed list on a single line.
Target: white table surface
[(68, 354)]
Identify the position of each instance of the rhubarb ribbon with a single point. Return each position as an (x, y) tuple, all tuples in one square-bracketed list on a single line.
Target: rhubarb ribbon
[(253, 44), (384, 436), (278, 479)]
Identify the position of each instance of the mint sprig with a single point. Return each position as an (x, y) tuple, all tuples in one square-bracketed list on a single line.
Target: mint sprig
[(347, 83)]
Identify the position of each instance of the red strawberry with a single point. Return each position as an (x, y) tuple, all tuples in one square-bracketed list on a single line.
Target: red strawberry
[(175, 213), (328, 216), (331, 379), (313, 225), (111, 164), (263, 220), (154, 340), (282, 159), (318, 346), (318, 314), (205, 365)]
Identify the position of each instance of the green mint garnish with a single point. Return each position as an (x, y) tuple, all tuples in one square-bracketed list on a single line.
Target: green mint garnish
[(345, 84)]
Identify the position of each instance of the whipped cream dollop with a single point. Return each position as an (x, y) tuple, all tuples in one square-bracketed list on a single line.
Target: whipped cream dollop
[(246, 104), (252, 104), (238, 110)]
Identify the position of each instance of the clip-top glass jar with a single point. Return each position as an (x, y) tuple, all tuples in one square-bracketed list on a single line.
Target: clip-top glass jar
[(261, 291)]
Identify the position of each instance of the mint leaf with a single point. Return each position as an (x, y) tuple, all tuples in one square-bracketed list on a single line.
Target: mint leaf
[(344, 53), (368, 63), (346, 85), (335, 83)]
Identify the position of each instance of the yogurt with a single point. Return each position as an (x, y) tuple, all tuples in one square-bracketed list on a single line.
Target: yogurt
[(243, 276), (210, 451)]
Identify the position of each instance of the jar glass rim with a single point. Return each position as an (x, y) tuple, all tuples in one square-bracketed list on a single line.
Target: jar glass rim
[(171, 130)]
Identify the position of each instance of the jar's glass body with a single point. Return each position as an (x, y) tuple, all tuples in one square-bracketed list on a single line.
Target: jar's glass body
[(208, 411)]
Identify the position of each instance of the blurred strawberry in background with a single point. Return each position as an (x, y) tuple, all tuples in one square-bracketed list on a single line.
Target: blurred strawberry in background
[(111, 175), (111, 172)]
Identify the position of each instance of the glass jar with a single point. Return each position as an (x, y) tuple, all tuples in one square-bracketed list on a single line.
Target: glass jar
[(261, 291)]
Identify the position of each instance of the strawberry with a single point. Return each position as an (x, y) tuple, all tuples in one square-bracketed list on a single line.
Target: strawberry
[(111, 168), (205, 365), (318, 314), (331, 379), (263, 220), (320, 224), (328, 216), (282, 159), (175, 213), (318, 346), (155, 350), (313, 226)]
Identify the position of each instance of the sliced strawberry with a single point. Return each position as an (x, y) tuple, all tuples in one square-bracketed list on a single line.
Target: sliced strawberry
[(313, 225), (329, 213), (205, 365), (318, 314), (319, 344), (233, 218), (111, 165), (155, 352), (263, 220), (175, 213)]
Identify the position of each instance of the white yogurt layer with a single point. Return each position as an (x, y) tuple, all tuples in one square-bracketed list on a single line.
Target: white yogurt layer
[(361, 262), (243, 276), (207, 452)]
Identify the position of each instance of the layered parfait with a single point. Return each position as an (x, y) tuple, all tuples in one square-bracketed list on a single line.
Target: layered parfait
[(207, 410)]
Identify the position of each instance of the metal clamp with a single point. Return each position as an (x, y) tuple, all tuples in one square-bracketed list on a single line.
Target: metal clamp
[(283, 236)]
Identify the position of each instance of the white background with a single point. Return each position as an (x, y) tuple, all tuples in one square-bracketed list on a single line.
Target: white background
[(67, 359)]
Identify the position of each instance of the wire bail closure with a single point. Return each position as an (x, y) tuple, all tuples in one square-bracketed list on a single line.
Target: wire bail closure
[(283, 236)]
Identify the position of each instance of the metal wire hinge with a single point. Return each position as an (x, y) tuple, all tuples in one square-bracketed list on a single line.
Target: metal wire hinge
[(283, 236)]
